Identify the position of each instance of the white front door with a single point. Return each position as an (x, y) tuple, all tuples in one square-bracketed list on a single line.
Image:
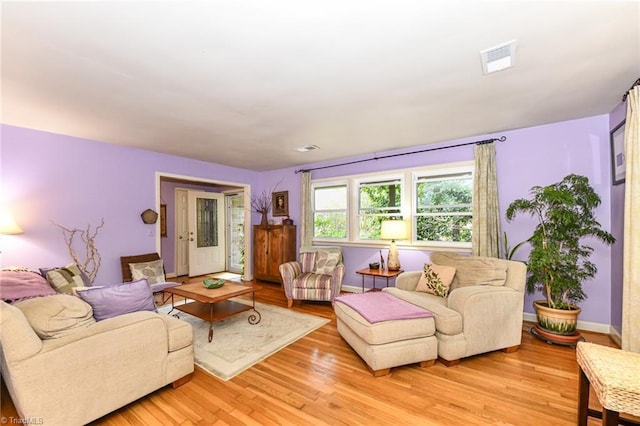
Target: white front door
[(206, 233)]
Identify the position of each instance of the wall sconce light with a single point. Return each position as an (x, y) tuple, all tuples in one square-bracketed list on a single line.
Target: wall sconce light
[(8, 226), (394, 230)]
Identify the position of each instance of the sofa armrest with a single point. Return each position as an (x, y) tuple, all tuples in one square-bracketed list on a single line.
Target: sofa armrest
[(492, 316), (289, 271), (18, 341), (408, 280)]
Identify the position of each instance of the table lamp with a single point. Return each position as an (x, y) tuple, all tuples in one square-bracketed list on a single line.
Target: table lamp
[(394, 230)]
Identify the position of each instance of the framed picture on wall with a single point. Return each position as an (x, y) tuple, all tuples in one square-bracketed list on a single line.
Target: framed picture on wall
[(163, 220), (280, 203), (618, 163)]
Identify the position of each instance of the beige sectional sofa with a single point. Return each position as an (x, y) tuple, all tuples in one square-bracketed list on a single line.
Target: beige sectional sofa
[(483, 311), (68, 369)]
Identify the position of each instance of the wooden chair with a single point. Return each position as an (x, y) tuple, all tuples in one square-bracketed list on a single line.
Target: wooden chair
[(156, 288)]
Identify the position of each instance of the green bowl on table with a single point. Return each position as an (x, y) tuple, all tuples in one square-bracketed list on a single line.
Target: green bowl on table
[(212, 284)]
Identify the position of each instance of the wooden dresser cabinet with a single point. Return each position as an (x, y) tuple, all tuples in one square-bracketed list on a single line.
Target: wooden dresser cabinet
[(273, 245)]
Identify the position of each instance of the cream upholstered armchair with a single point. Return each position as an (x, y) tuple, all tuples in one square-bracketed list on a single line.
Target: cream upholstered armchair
[(482, 310), (317, 276)]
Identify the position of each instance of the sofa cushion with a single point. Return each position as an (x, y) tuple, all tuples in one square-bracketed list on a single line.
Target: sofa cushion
[(473, 270), (56, 316), (153, 271), (64, 279), (326, 262), (436, 279), (21, 283), (119, 299)]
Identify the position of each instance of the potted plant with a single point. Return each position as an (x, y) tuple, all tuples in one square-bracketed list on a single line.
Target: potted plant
[(559, 262)]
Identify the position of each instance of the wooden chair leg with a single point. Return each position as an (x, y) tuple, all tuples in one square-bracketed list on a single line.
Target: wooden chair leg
[(511, 349), (610, 418), (289, 303), (181, 381), (583, 399), (425, 364), (448, 363)]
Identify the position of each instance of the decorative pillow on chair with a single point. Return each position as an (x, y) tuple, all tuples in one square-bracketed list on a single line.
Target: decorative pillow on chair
[(152, 271), (64, 279), (436, 279), (326, 262), (118, 299)]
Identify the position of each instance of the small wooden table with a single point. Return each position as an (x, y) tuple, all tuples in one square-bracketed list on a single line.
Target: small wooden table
[(384, 273), (214, 304)]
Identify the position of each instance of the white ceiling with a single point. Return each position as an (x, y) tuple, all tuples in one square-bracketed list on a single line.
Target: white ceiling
[(244, 82)]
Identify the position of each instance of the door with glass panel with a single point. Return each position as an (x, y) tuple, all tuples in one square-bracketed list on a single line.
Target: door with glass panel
[(206, 233), (235, 233)]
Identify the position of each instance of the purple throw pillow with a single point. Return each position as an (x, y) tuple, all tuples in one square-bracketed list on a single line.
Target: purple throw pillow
[(119, 299), (18, 284)]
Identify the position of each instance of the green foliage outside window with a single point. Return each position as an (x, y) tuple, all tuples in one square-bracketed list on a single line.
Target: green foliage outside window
[(444, 209), (378, 202)]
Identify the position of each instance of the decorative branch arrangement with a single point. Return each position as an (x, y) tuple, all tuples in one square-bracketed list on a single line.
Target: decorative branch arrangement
[(261, 203), (92, 258)]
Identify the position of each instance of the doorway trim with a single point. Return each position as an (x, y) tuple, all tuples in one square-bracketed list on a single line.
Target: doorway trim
[(246, 189)]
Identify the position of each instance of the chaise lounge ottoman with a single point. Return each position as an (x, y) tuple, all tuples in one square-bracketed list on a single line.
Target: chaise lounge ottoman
[(386, 331)]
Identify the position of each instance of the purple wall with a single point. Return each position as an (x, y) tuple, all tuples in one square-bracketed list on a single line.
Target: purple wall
[(617, 229), (534, 156), (76, 182)]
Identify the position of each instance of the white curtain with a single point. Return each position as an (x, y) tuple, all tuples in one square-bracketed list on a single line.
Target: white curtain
[(306, 221), (631, 270), (485, 240)]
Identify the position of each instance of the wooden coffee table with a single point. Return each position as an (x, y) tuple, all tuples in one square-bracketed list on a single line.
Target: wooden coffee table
[(214, 304)]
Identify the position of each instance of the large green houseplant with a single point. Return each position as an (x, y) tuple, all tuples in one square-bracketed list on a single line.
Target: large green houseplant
[(559, 262)]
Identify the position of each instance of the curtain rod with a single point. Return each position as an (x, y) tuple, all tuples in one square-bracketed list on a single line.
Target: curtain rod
[(637, 83), (486, 141)]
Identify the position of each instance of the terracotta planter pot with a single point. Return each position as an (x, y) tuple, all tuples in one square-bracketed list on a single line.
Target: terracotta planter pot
[(557, 321)]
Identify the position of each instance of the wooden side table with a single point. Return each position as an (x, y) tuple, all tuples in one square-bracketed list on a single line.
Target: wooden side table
[(383, 273)]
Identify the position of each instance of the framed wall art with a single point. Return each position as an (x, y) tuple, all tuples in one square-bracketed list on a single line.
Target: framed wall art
[(163, 220), (280, 203), (618, 164)]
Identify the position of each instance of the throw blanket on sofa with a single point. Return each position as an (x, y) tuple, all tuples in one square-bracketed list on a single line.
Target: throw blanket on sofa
[(377, 307)]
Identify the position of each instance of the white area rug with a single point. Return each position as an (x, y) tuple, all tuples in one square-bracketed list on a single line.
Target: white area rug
[(237, 345)]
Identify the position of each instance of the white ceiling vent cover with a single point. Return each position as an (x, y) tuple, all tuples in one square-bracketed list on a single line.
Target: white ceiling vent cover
[(499, 57)]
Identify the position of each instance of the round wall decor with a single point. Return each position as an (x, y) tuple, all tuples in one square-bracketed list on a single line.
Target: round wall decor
[(149, 216)]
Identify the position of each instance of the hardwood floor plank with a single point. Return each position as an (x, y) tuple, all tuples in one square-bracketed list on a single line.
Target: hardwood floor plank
[(320, 380)]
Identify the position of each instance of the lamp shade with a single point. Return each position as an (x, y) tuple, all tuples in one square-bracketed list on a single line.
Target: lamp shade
[(394, 230), (8, 225)]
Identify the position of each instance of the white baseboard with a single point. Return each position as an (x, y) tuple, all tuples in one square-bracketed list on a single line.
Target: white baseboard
[(171, 275), (351, 289), (582, 325)]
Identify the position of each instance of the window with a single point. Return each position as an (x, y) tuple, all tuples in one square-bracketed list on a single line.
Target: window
[(444, 207), (330, 211), (377, 201), (436, 200)]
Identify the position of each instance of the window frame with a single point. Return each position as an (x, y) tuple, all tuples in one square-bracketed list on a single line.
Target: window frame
[(452, 170), (329, 184), (372, 179), (408, 206)]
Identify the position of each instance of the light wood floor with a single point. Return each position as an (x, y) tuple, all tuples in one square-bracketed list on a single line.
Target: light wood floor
[(320, 380)]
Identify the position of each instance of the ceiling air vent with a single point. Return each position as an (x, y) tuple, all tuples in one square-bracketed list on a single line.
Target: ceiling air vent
[(499, 57), (307, 148)]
